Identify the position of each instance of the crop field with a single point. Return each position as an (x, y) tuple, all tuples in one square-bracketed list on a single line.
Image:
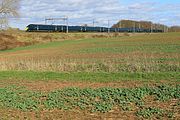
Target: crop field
[(124, 76)]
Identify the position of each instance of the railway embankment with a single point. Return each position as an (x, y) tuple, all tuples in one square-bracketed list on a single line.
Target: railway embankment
[(13, 39)]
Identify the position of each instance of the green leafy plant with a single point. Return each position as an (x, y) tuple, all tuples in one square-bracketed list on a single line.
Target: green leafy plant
[(94, 100), (149, 112)]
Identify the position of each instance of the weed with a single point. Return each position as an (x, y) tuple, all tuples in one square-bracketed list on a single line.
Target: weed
[(149, 112)]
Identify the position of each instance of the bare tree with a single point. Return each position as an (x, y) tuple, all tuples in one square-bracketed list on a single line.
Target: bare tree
[(8, 8)]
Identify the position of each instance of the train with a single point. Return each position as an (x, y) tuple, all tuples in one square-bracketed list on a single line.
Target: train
[(64, 28)]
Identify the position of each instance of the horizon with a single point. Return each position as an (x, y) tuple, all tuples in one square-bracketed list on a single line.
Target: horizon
[(83, 12)]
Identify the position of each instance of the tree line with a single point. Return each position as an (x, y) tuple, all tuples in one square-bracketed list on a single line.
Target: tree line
[(145, 25)]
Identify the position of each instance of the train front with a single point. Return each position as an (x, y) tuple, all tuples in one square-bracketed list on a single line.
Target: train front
[(27, 28), (31, 28)]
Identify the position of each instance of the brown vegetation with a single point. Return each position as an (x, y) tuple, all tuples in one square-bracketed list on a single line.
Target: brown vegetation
[(175, 29), (138, 24), (145, 25), (8, 41)]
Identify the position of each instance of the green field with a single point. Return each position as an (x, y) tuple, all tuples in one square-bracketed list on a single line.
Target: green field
[(135, 76)]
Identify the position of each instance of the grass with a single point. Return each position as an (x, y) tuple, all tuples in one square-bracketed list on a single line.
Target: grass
[(91, 77), (128, 48), (38, 46), (54, 44)]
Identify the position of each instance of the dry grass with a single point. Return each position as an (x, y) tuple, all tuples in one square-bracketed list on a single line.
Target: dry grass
[(10, 41), (51, 36), (126, 63)]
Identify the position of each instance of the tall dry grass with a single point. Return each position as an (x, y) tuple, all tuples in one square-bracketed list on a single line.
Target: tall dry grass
[(89, 65)]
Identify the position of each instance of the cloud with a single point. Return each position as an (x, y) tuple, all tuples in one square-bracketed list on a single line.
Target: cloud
[(83, 11)]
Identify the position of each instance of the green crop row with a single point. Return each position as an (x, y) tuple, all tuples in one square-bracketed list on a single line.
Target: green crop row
[(93, 100), (90, 77)]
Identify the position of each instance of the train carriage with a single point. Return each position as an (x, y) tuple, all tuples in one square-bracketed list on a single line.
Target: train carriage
[(63, 28)]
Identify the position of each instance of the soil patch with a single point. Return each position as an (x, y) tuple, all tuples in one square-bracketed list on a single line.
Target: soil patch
[(67, 115), (47, 86)]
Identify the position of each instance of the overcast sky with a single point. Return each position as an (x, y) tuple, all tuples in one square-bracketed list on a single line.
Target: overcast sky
[(84, 11)]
